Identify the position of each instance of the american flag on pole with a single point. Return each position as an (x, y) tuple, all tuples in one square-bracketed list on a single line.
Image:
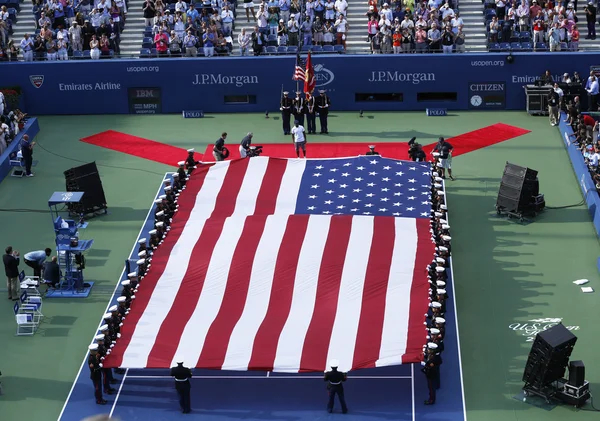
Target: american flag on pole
[(282, 264), (299, 72)]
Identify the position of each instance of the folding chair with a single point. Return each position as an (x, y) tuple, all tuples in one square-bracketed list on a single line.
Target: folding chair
[(30, 284), (31, 305), (26, 325)]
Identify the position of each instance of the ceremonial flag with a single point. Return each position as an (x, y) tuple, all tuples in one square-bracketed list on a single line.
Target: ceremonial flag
[(298, 69), (309, 79), (282, 264)]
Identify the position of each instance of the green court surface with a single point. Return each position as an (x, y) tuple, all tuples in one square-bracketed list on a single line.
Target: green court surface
[(506, 275)]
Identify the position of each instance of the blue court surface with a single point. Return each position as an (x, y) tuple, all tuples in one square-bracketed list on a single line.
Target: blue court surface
[(387, 393)]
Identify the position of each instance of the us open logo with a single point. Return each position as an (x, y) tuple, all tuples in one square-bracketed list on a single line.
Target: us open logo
[(532, 327), (323, 75), (37, 80)]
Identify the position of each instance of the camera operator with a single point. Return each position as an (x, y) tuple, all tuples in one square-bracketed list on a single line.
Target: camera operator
[(245, 145), (415, 151)]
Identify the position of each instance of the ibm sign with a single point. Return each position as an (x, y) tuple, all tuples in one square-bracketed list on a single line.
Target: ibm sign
[(145, 100), (487, 95)]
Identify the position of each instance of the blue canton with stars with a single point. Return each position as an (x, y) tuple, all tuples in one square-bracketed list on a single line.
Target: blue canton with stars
[(366, 185)]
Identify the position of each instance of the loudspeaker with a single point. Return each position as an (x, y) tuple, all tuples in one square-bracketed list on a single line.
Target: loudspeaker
[(518, 187), (549, 356), (86, 178), (576, 373)]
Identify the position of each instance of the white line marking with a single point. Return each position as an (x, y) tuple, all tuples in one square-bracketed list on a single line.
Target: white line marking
[(271, 377), (114, 405), (268, 373), (462, 385), (412, 385), (111, 298)]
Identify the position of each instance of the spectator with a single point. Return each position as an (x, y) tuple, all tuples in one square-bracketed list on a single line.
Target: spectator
[(189, 42), (434, 36), (307, 31), (317, 29), (262, 18), (341, 26), (282, 37), (376, 41), (574, 43), (447, 39), (494, 26), (51, 50), (150, 12), (161, 41), (249, 6), (397, 40), (341, 6), (328, 33), (500, 9), (590, 16), (330, 11), (11, 270), (554, 37), (319, 9), (459, 40), (94, 48), (258, 41), (209, 40), (180, 6), (62, 53), (407, 41), (227, 18), (293, 29), (36, 260), (593, 94), (244, 42), (523, 14), (27, 48), (386, 42), (421, 39)]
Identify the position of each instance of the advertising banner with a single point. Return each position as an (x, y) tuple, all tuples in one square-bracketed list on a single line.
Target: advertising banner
[(145, 100), (487, 95)]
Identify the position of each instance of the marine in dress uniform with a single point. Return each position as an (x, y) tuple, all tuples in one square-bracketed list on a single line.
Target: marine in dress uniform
[(154, 240), (298, 109), (95, 367), (286, 112), (107, 377), (311, 114), (190, 162), (182, 385), (143, 246), (431, 369), (181, 173), (322, 103), (335, 380), (372, 150), (176, 183), (123, 311)]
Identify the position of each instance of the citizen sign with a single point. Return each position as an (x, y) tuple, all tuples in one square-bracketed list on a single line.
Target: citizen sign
[(487, 87), (221, 79)]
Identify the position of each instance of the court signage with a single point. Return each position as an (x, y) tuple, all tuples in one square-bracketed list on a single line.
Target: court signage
[(487, 95), (532, 327), (145, 100)]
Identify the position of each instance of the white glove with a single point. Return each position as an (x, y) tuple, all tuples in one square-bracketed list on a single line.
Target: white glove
[(120, 324), (101, 365), (112, 346), (423, 363), (133, 297), (118, 335)]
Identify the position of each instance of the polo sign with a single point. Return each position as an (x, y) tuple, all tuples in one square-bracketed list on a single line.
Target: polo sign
[(436, 112)]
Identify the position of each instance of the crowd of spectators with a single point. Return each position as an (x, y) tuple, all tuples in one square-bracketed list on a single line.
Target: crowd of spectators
[(69, 28), (432, 26), (206, 28), (11, 123), (538, 25)]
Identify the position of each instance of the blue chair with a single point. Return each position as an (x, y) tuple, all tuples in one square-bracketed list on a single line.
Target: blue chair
[(12, 14), (306, 48), (272, 40), (564, 46), (515, 46), (271, 49), (77, 54), (292, 49), (525, 36), (504, 46), (328, 49), (148, 40), (515, 37), (489, 13), (144, 53), (147, 44), (317, 49), (148, 33), (339, 49), (282, 50), (540, 46), (526, 46), (494, 47), (153, 52)]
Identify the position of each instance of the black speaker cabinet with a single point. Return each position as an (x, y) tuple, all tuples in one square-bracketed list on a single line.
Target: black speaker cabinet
[(549, 356), (576, 373), (518, 188), (86, 179)]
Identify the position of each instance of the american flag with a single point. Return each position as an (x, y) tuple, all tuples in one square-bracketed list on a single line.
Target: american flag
[(283, 264), (299, 71)]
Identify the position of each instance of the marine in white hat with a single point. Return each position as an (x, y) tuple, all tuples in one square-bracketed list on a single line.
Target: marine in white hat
[(182, 377), (335, 380)]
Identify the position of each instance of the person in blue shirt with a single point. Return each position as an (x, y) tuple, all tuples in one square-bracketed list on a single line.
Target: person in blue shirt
[(36, 260)]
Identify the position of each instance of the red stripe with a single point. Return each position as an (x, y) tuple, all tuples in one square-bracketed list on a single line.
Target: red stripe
[(316, 343), (234, 297), (159, 260), (372, 313), (280, 302), (419, 294), (184, 305), (266, 201)]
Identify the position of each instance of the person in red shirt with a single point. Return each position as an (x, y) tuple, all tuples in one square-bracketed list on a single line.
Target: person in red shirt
[(574, 38), (161, 40), (397, 41)]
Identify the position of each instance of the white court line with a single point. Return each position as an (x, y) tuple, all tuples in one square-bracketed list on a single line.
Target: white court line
[(111, 298), (412, 385), (271, 377), (462, 384), (114, 405), (268, 373)]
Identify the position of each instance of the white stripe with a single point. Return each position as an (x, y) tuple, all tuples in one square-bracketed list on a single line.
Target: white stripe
[(290, 186), (349, 305), (210, 300), (291, 340), (239, 351), (397, 301), (251, 184), (167, 287)]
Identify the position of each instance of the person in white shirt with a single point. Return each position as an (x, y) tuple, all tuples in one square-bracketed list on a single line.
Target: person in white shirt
[(523, 15), (262, 17), (62, 53), (180, 6), (386, 13), (227, 18), (299, 138), (407, 24), (456, 22), (75, 35), (293, 29), (384, 21), (340, 7), (244, 42), (4, 135), (341, 26), (27, 48)]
